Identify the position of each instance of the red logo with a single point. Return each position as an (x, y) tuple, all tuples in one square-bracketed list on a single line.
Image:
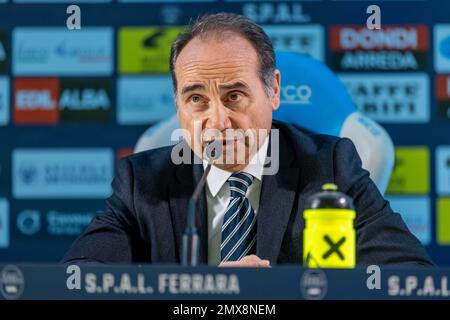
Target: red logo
[(36, 101), (443, 87), (401, 37)]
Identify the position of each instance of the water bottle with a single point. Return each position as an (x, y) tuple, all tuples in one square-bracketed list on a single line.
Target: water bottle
[(329, 239)]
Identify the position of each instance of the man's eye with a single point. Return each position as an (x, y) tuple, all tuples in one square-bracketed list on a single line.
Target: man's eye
[(195, 99), (234, 97)]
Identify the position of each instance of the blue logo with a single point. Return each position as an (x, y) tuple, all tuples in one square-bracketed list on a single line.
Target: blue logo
[(416, 212), (85, 52), (138, 105), (66, 50), (62, 173), (443, 170), (4, 223), (4, 100), (171, 14), (29, 222), (444, 47), (28, 173)]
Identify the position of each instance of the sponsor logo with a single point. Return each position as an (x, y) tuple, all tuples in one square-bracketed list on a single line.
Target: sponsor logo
[(51, 100), (85, 100), (443, 221), (55, 222), (28, 173), (291, 94), (416, 213), (390, 98), (4, 100), (145, 50), (44, 222), (442, 48), (62, 173), (411, 174), (29, 222), (86, 52), (4, 171), (276, 12), (443, 170), (443, 96), (12, 282), (392, 48), (308, 39), (144, 100), (314, 284), (4, 53), (61, 223), (171, 14), (4, 223), (36, 101)]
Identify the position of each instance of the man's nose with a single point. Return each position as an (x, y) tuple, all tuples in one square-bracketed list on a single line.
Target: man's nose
[(218, 118)]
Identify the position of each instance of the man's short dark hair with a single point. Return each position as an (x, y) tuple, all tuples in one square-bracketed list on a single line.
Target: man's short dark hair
[(220, 23)]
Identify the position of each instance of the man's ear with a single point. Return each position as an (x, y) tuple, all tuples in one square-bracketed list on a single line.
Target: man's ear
[(276, 85)]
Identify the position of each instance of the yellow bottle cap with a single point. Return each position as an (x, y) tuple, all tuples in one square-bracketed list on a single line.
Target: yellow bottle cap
[(329, 197), (329, 187)]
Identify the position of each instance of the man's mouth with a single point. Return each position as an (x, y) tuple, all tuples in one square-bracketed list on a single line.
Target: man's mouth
[(222, 141)]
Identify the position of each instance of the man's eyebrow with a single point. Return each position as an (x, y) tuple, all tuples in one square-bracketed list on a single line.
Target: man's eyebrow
[(192, 87), (233, 86)]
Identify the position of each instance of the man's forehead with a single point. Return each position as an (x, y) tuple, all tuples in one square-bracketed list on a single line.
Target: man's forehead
[(205, 55), (210, 62), (216, 76)]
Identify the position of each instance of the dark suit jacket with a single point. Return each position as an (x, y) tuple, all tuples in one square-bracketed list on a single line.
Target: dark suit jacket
[(146, 214)]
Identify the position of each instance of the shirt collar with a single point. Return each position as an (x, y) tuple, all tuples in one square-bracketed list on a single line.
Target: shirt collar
[(218, 177)]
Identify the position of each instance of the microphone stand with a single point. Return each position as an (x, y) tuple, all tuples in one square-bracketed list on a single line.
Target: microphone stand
[(191, 242)]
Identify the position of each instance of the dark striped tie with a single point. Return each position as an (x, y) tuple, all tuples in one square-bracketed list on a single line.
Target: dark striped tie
[(239, 222)]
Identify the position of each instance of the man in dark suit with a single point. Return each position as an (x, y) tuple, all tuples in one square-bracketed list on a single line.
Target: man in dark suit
[(225, 80)]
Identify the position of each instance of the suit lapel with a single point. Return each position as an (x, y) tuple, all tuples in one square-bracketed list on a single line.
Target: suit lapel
[(278, 194), (277, 200)]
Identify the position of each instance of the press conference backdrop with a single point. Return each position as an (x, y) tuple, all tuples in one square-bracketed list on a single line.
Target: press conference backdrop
[(72, 102)]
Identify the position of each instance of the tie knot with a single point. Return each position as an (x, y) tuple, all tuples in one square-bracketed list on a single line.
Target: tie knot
[(239, 183)]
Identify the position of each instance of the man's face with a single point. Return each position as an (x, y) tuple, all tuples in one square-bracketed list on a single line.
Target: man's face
[(219, 88)]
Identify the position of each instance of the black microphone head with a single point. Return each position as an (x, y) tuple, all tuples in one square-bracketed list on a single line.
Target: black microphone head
[(213, 150)]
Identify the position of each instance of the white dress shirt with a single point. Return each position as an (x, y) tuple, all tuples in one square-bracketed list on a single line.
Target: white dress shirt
[(218, 198)]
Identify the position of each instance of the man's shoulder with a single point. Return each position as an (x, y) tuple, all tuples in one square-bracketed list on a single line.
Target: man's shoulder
[(306, 143), (323, 158), (154, 156), (153, 163)]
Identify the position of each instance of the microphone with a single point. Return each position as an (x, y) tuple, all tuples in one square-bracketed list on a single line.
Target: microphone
[(191, 242)]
